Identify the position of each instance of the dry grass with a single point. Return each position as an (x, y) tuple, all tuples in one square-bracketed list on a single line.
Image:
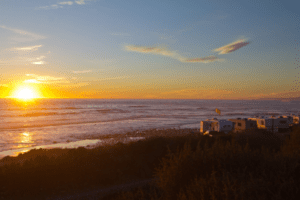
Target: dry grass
[(253, 165), (186, 165)]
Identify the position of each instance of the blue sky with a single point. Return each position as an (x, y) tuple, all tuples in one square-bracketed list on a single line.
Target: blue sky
[(150, 49)]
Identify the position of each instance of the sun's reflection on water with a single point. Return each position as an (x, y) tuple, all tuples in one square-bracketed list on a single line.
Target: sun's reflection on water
[(24, 140)]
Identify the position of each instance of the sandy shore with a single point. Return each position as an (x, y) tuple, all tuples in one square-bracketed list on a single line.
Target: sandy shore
[(103, 140)]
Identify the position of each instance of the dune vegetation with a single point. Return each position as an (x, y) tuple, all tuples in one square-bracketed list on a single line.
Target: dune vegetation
[(250, 165), (183, 164)]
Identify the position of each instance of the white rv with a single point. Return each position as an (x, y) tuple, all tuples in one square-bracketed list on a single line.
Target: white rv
[(290, 119), (206, 125), (267, 123), (296, 119), (222, 126), (281, 123)]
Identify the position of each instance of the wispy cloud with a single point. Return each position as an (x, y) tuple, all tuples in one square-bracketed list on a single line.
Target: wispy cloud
[(29, 48), (120, 34), (31, 59), (32, 81), (276, 95), (39, 63), (66, 3), (19, 60), (207, 59), (54, 6), (168, 53), (232, 46), (112, 78), (80, 2), (40, 58), (152, 50), (206, 94), (29, 36), (43, 79), (82, 72), (62, 4)]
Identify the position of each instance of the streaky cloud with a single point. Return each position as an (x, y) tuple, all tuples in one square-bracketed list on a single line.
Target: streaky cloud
[(152, 50), (80, 2), (32, 81), (205, 93), (54, 6), (29, 48), (172, 54), (39, 63), (232, 47), (82, 72), (207, 59), (43, 79), (62, 4), (66, 3), (21, 60), (120, 34), (25, 33), (113, 78)]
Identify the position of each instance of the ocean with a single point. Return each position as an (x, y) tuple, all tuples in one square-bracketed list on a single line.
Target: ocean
[(69, 123)]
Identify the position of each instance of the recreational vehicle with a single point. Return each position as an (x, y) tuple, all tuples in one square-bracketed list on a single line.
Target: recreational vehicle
[(243, 124), (206, 125), (282, 123), (265, 123), (296, 119), (290, 120), (222, 126)]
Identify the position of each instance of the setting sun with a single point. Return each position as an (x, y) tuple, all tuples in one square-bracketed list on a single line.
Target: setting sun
[(26, 93)]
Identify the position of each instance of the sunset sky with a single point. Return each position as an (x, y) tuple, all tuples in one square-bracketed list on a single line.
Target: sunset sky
[(158, 49)]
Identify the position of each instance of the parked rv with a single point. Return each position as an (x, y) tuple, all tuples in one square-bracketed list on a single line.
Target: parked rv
[(222, 126), (206, 125), (243, 124), (282, 124), (266, 123), (296, 119), (290, 119)]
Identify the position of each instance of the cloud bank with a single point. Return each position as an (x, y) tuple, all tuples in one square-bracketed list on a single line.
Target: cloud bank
[(231, 47), (165, 52)]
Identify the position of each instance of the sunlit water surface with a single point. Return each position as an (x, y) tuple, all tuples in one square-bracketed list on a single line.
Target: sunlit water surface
[(71, 123)]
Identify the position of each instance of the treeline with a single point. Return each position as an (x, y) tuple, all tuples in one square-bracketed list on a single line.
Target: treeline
[(257, 165)]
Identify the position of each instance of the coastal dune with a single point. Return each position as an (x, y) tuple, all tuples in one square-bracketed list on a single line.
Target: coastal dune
[(173, 157)]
